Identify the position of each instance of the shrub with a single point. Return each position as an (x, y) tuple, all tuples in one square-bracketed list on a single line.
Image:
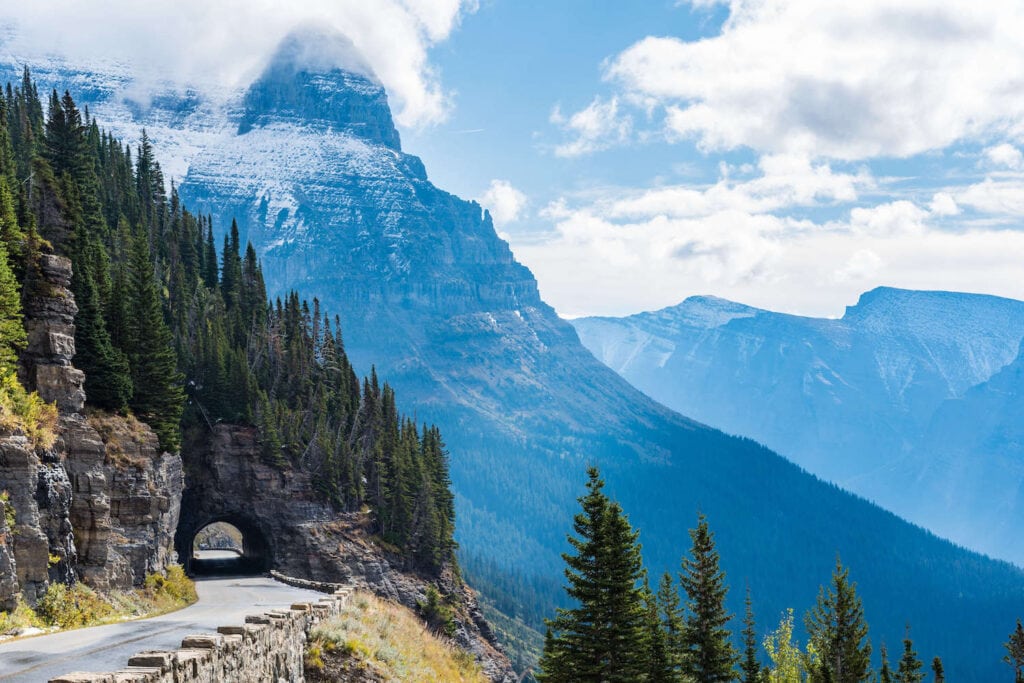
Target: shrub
[(21, 616), (24, 411), (174, 587), (9, 517), (72, 606), (437, 613)]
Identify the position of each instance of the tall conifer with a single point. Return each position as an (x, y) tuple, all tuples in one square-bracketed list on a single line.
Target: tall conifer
[(708, 653), (601, 639), (838, 633), (158, 396)]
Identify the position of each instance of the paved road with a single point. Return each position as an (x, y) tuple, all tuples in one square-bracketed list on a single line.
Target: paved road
[(222, 601)]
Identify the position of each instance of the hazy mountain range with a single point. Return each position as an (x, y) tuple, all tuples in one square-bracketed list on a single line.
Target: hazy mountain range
[(910, 399)]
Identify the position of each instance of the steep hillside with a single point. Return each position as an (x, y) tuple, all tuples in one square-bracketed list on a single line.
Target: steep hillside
[(972, 457), (428, 292), (851, 399)]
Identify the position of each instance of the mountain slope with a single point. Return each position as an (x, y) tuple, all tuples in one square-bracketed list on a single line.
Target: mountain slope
[(426, 288), (852, 399)]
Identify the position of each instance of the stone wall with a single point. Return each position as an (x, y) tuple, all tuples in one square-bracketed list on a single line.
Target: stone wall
[(266, 649)]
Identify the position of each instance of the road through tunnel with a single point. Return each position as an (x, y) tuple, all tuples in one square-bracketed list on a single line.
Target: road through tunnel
[(225, 546)]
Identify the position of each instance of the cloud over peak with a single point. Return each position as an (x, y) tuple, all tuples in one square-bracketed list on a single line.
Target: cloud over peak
[(225, 44)]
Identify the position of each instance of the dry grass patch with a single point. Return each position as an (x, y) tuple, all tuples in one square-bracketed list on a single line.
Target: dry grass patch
[(115, 430), (375, 640)]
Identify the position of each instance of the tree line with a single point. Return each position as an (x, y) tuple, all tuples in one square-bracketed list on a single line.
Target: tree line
[(621, 629), (183, 336)]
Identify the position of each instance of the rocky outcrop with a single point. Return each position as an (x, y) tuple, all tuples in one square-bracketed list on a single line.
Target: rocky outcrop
[(288, 528), (127, 499), (102, 504)]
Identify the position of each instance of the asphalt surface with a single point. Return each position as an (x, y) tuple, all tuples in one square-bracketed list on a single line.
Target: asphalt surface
[(222, 601)]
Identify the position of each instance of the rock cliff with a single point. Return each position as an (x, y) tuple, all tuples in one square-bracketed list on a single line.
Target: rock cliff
[(102, 504)]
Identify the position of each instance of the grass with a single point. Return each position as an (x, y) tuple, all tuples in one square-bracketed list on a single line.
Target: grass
[(113, 429), (77, 606), (384, 641)]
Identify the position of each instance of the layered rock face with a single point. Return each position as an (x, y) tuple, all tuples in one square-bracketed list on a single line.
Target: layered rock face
[(856, 400), (102, 505)]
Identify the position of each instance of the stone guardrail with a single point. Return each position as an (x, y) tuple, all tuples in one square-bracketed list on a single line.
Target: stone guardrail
[(319, 586), (269, 647)]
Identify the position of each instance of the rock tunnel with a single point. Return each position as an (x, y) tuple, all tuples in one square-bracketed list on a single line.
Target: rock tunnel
[(277, 512), (203, 553)]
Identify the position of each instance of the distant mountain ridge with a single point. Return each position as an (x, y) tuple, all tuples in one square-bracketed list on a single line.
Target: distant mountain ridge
[(424, 286), (875, 400)]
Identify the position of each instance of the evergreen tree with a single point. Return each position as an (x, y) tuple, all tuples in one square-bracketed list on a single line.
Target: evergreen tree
[(911, 669), (158, 398), (12, 332), (671, 622), (659, 665), (1015, 653), (838, 633), (940, 674), (708, 654), (750, 666), (108, 381), (601, 639), (885, 673)]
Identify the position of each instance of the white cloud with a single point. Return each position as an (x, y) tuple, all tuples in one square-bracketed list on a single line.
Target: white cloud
[(224, 44), (785, 181), (595, 264), (885, 220), (943, 204), (999, 197), (863, 265), (598, 126), (849, 80), (1005, 155), (504, 201)]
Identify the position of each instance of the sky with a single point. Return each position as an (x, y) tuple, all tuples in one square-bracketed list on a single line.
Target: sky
[(785, 154)]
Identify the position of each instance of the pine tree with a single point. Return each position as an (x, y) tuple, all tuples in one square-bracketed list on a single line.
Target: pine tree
[(940, 674), (911, 669), (749, 665), (158, 398), (672, 622), (602, 638), (708, 654), (885, 673), (1015, 653), (108, 381), (838, 633), (659, 665), (12, 332)]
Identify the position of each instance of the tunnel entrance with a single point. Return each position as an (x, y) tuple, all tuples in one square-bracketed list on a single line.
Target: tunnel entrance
[(225, 548)]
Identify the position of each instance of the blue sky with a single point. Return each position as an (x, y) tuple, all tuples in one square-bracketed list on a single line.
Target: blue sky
[(789, 154), (874, 165)]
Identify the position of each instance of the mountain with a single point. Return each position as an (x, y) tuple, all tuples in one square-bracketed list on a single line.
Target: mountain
[(425, 288), (876, 401)]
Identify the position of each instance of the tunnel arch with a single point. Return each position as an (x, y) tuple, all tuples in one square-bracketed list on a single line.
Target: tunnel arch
[(256, 556)]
